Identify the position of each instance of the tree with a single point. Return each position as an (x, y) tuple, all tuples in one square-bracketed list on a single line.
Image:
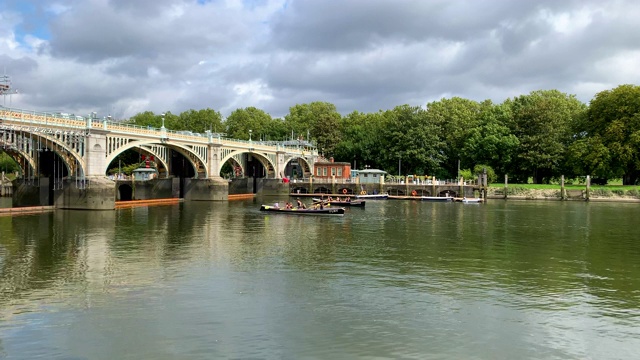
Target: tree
[(240, 121), (148, 118), (360, 138), (199, 121), (542, 122), (491, 142), (409, 137), (457, 117), (613, 126), (7, 163), (320, 120)]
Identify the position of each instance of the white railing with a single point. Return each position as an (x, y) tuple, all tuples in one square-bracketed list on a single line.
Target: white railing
[(72, 121)]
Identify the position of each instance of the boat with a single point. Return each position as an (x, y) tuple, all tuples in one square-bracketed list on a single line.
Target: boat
[(471, 200), (352, 203), (402, 197), (437, 198), (373, 196), (333, 211)]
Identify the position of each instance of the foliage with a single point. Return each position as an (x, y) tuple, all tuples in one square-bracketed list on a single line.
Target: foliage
[(539, 136), (241, 121), (360, 139), (491, 142), (614, 126), (409, 137), (318, 121), (456, 118), (467, 175), (491, 175), (197, 121), (7, 164), (542, 122)]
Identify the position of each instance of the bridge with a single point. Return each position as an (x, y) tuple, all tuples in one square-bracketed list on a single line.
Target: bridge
[(84, 148), (87, 146)]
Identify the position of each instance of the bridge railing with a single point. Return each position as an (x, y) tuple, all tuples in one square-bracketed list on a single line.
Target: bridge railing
[(80, 122)]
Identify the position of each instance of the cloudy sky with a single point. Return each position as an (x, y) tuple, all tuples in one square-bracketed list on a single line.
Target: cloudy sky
[(122, 57)]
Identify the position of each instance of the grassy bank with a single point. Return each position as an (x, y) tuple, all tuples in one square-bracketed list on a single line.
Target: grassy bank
[(573, 191)]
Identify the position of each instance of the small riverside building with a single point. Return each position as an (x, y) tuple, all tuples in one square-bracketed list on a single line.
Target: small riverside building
[(144, 174), (371, 176), (332, 169)]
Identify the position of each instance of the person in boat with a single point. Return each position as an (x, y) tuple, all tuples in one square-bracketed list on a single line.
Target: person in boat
[(300, 204), (276, 205), (330, 199), (348, 199), (338, 199)]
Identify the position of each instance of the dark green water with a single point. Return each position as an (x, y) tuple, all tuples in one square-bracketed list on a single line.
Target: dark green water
[(397, 280)]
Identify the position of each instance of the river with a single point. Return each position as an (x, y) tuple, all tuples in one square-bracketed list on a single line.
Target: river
[(397, 280)]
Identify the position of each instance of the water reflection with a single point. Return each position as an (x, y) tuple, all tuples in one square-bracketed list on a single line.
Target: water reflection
[(396, 280)]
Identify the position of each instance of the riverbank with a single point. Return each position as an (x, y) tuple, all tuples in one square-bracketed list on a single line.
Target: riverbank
[(596, 195)]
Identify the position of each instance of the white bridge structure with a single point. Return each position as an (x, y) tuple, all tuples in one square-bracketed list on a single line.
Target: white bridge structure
[(87, 146)]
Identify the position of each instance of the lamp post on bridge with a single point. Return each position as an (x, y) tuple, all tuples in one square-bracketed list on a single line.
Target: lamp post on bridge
[(250, 131), (163, 130)]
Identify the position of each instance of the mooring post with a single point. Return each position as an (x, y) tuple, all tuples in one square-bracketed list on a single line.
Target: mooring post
[(484, 184), (506, 182), (563, 193), (433, 186), (586, 195)]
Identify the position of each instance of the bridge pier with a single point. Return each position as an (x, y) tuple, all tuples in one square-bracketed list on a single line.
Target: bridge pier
[(33, 192), (96, 193), (211, 189)]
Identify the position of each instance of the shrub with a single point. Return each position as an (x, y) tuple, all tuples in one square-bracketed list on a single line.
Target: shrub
[(491, 175)]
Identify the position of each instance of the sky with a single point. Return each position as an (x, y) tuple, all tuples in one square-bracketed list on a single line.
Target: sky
[(123, 57)]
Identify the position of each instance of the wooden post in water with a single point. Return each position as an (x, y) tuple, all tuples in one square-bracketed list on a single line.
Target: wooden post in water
[(506, 182), (433, 186), (586, 195), (461, 194), (484, 184), (563, 192)]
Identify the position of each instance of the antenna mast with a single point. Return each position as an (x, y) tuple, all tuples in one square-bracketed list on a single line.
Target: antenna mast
[(5, 88)]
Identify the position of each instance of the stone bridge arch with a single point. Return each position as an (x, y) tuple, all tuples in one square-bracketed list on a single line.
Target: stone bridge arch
[(307, 168), (159, 151), (267, 161), (24, 146)]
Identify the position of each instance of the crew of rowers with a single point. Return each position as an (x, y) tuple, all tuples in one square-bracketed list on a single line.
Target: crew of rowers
[(319, 205), (338, 199)]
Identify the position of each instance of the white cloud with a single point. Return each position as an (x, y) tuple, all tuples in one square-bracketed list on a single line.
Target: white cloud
[(124, 57)]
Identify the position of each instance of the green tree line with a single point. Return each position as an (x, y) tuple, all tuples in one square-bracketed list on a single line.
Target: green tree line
[(541, 135)]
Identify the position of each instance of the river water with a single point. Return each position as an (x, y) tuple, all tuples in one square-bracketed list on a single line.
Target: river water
[(397, 280)]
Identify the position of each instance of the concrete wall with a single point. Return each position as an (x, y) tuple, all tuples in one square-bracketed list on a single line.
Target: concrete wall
[(99, 193), (206, 189), (241, 186), (155, 189), (25, 194), (271, 187)]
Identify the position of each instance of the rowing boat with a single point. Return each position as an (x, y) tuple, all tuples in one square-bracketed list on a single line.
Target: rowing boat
[(334, 211), (353, 203), (437, 198)]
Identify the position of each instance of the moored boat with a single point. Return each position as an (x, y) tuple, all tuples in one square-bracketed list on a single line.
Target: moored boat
[(373, 196), (437, 198), (352, 203), (334, 211), (471, 200)]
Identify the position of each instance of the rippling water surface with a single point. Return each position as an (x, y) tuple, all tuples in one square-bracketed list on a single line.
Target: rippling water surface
[(410, 280)]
